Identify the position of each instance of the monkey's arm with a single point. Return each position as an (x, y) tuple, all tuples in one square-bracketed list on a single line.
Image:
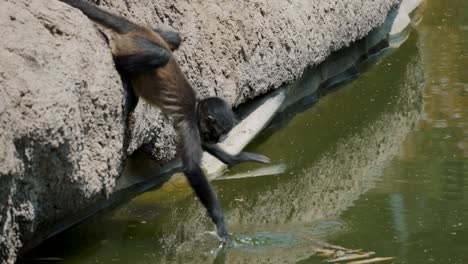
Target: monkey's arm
[(229, 159), (172, 38), (191, 158), (149, 57), (207, 196)]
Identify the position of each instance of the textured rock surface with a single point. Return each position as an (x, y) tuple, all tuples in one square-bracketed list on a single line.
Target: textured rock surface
[(62, 118), (240, 49)]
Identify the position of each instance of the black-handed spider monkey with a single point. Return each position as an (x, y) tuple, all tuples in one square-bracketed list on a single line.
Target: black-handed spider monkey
[(144, 55)]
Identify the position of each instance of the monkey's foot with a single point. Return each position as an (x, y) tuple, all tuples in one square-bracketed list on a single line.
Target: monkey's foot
[(253, 157)]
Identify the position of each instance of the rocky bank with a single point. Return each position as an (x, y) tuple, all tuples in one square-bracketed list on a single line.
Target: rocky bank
[(64, 133)]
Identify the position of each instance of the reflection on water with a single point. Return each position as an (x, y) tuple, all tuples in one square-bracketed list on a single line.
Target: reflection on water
[(379, 164), (334, 152), (421, 203)]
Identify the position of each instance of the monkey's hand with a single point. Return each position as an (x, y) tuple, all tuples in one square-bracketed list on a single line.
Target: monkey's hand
[(253, 157), (225, 238), (229, 159)]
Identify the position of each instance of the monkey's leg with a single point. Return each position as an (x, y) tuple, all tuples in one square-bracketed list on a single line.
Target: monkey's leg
[(207, 196), (229, 159), (151, 56), (171, 37)]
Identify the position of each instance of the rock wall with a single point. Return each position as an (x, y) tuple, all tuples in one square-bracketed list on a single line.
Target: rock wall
[(63, 119)]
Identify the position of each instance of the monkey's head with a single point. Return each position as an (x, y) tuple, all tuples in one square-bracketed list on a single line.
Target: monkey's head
[(215, 119)]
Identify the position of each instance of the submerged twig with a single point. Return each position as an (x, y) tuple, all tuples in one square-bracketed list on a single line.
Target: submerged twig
[(336, 253), (323, 251), (366, 261), (328, 245), (350, 257)]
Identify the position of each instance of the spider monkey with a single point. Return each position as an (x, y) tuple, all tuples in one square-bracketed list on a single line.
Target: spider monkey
[(144, 55)]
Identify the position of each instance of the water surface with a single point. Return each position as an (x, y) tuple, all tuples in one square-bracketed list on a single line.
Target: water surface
[(380, 164)]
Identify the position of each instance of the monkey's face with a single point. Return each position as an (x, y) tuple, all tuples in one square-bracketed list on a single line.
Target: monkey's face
[(215, 119), (213, 132), (214, 126)]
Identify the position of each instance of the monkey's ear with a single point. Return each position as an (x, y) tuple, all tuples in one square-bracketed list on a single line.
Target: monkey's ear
[(171, 37)]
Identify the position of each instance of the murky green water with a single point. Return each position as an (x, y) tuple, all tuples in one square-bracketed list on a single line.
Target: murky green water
[(380, 164)]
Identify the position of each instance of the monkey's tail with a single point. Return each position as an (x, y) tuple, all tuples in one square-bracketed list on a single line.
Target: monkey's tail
[(105, 18)]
